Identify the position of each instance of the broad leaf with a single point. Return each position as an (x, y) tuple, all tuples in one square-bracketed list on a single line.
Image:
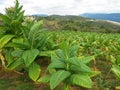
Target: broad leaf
[(36, 26), (60, 54), (73, 51), (29, 56), (44, 79), (86, 59), (8, 56), (81, 80), (46, 53), (58, 77), (65, 49), (17, 53), (94, 73), (54, 57), (74, 61), (5, 39), (57, 64), (78, 66), (20, 45), (82, 68), (15, 64), (116, 70), (113, 59), (34, 71), (34, 29), (5, 18), (41, 42)]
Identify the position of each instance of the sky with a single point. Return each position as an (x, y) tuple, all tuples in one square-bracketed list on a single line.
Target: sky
[(64, 7)]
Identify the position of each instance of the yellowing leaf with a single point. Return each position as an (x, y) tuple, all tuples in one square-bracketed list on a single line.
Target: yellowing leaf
[(34, 71)]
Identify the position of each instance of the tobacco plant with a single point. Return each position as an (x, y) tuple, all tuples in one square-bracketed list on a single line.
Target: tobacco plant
[(11, 27), (116, 65), (27, 49), (66, 67), (12, 20), (23, 40)]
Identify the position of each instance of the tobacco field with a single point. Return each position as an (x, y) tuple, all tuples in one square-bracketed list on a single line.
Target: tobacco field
[(34, 58)]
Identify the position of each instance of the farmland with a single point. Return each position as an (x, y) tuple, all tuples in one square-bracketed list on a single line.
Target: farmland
[(34, 58), (104, 48)]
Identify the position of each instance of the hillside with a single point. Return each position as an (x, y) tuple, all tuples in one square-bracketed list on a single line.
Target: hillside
[(112, 16), (77, 23)]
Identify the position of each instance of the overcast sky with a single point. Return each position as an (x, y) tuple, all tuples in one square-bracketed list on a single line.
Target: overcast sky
[(65, 7)]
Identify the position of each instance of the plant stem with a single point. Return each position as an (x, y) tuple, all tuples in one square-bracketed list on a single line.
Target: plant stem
[(18, 72), (66, 86), (2, 59)]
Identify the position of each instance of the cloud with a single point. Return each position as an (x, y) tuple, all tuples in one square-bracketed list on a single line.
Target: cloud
[(63, 7), (49, 7)]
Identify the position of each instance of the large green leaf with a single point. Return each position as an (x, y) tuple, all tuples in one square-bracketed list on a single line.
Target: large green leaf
[(81, 80), (5, 19), (60, 54), (36, 26), (44, 79), (80, 69), (34, 71), (41, 42), (17, 53), (65, 49), (113, 59), (86, 59), (15, 64), (5, 39), (34, 29), (116, 70), (20, 45), (8, 57), (93, 73), (46, 53), (73, 51), (58, 77), (54, 57), (29, 56), (78, 66), (57, 64)]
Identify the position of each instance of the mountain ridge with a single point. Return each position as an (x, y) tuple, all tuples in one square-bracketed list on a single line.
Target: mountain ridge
[(78, 23), (103, 16)]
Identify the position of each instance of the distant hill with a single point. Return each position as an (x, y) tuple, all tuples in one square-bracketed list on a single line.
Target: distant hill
[(78, 23), (112, 16)]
